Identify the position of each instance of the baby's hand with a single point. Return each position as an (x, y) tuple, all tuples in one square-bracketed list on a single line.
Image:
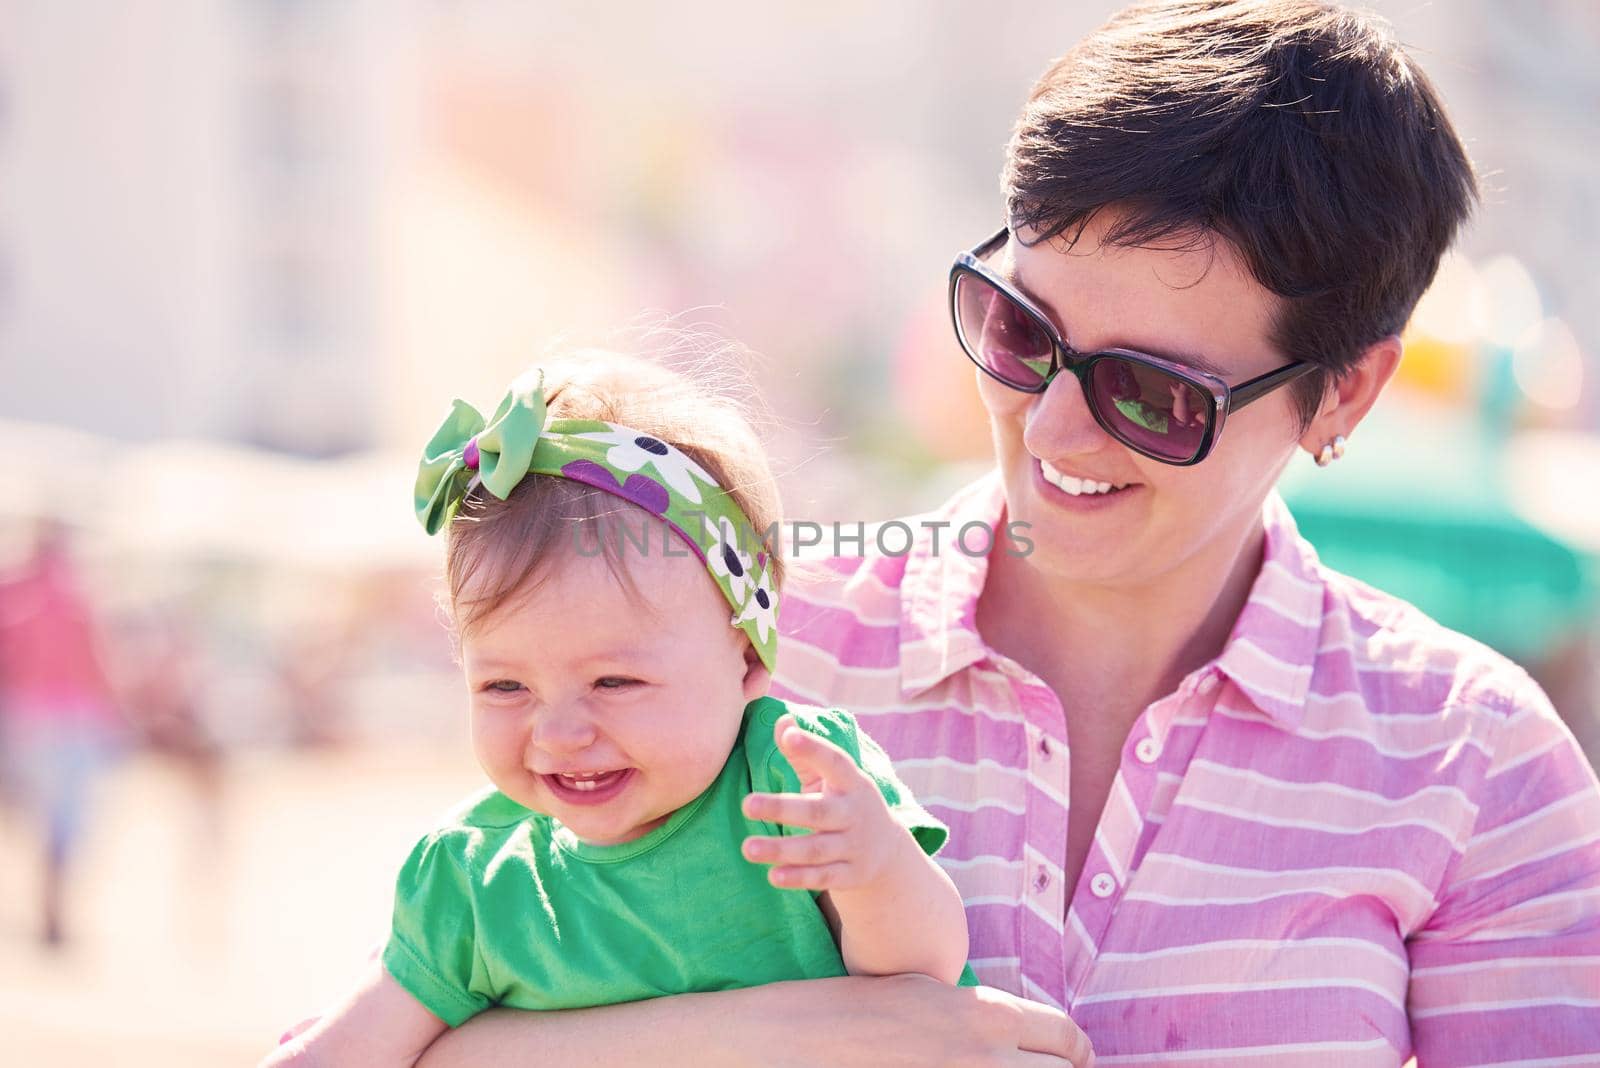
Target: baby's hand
[(853, 834)]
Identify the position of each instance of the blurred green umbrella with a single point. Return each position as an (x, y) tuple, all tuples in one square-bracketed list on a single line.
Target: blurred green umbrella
[(1422, 507)]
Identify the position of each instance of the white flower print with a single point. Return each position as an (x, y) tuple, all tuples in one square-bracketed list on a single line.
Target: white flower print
[(762, 605), (630, 450), (725, 558)]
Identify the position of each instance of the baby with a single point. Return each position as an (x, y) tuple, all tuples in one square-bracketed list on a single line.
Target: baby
[(616, 613)]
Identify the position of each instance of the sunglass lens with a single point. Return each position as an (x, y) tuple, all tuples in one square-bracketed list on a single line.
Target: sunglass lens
[(1002, 337), (1150, 409)]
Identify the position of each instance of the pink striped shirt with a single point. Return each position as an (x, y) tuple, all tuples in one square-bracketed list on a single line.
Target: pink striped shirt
[(1353, 838)]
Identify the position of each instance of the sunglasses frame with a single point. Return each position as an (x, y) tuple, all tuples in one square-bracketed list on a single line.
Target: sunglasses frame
[(1063, 357)]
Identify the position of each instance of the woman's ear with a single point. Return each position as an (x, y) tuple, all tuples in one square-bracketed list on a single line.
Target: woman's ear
[(1351, 395), (757, 677)]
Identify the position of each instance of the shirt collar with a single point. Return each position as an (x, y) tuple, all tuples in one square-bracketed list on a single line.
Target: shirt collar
[(939, 594), (1269, 656)]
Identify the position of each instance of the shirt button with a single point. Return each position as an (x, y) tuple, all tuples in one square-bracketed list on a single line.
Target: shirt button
[(1102, 885), (1147, 750), (1042, 879)]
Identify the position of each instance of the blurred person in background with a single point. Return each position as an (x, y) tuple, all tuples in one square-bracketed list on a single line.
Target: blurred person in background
[(159, 673), (1216, 801), (58, 721), (309, 658)]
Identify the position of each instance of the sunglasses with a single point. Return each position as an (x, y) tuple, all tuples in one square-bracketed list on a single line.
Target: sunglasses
[(1156, 407)]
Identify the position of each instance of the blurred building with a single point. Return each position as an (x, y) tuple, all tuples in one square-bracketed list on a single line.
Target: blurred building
[(303, 224), (190, 212)]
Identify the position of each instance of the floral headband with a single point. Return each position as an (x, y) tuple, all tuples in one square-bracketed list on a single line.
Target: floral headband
[(519, 441)]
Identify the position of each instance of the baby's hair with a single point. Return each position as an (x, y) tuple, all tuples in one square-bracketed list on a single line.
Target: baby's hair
[(503, 549)]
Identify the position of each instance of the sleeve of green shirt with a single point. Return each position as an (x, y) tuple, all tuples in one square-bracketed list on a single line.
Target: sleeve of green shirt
[(841, 729), (432, 950)]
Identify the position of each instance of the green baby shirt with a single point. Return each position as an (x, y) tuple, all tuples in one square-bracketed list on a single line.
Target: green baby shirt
[(506, 906)]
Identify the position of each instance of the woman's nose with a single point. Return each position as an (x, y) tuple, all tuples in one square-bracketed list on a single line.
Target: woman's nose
[(1059, 422)]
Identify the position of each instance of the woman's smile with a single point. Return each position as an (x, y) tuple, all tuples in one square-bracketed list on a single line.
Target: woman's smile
[(1079, 494)]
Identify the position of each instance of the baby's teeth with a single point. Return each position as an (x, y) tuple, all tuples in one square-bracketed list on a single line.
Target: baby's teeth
[(587, 782)]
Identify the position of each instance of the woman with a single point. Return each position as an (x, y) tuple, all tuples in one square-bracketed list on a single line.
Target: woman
[(1215, 802)]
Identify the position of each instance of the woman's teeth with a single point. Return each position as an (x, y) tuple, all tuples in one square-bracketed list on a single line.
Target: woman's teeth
[(1078, 487)]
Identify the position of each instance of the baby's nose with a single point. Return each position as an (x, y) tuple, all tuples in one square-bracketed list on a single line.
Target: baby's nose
[(563, 732)]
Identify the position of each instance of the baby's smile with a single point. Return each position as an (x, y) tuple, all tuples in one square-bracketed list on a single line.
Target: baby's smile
[(589, 788)]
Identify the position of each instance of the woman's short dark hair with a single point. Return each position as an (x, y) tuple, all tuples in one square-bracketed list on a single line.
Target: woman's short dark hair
[(1298, 131)]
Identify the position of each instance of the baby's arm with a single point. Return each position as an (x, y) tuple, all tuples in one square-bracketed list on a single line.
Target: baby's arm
[(893, 909), (427, 979), (379, 1024), (910, 920)]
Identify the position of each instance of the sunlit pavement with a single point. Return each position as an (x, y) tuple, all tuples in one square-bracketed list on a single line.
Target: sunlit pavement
[(196, 940)]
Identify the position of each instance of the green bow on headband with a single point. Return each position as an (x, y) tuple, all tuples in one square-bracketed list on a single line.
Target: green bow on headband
[(498, 452), (654, 475)]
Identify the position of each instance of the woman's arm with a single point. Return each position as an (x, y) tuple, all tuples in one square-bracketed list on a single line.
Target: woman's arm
[(902, 1021), (1505, 971)]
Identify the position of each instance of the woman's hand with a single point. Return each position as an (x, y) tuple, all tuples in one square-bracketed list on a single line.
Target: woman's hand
[(901, 1021)]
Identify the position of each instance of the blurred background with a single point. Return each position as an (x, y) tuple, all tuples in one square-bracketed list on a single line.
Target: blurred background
[(250, 249)]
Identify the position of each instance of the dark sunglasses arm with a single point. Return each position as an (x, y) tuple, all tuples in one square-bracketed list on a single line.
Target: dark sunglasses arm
[(1258, 387), (990, 244)]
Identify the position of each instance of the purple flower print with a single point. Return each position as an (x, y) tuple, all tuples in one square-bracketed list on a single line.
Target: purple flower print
[(642, 490)]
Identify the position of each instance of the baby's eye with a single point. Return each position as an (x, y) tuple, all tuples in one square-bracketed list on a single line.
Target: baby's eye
[(504, 686), (614, 682)]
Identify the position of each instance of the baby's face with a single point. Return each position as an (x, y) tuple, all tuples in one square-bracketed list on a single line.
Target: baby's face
[(605, 710)]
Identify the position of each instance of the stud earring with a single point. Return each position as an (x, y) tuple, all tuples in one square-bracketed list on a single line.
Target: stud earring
[(1331, 451)]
